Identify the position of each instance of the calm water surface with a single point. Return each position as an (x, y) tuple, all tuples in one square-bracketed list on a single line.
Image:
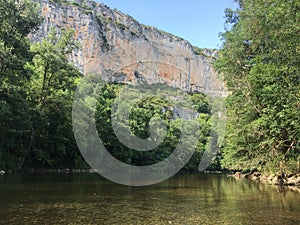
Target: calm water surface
[(183, 199)]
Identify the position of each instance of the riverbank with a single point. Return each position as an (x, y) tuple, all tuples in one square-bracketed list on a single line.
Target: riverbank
[(289, 181), (44, 171), (67, 170)]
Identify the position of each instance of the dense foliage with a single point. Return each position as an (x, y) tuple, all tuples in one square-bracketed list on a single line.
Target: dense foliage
[(140, 117), (36, 89), (260, 62)]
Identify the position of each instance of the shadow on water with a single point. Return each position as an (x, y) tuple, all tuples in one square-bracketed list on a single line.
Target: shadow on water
[(183, 199)]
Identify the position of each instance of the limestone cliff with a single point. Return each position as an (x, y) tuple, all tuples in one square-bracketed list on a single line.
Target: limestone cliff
[(121, 49)]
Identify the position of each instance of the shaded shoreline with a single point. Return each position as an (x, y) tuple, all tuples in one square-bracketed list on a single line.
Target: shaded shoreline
[(283, 182), (287, 182)]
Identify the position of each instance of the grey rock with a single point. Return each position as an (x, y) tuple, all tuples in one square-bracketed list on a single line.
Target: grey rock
[(118, 48)]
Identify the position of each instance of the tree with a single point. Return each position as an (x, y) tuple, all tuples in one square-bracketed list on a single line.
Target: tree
[(17, 20), (261, 68), (51, 89), (145, 109)]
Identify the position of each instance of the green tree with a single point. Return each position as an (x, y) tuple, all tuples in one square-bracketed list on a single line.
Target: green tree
[(145, 109), (51, 89), (260, 63), (17, 20)]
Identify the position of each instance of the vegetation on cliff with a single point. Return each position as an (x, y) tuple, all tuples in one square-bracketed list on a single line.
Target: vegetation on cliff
[(146, 111)]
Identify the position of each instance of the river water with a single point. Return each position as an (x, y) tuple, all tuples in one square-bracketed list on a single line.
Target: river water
[(183, 199)]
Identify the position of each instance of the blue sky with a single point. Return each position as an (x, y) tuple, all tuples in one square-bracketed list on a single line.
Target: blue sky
[(198, 21)]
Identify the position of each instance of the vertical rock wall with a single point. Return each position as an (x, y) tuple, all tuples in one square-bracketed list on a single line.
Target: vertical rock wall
[(117, 47)]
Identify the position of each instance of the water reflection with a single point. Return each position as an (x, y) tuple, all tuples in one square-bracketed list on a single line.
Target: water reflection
[(183, 199)]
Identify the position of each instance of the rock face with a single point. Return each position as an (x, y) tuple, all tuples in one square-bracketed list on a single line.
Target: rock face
[(117, 47)]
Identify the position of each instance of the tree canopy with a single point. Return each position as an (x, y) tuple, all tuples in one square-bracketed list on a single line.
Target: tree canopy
[(36, 91), (260, 64)]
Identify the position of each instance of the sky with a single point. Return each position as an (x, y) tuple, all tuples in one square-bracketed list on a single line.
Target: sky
[(198, 21)]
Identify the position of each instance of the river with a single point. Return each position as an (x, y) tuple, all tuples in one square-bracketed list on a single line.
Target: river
[(183, 199)]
